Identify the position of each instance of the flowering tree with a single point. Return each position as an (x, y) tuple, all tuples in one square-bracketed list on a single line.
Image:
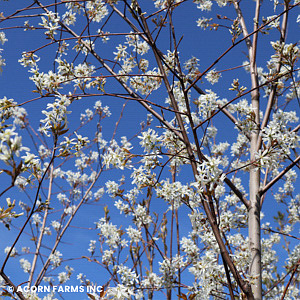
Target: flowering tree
[(166, 135)]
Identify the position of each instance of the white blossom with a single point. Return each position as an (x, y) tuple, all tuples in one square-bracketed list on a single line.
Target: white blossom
[(55, 258), (36, 219), (92, 246), (119, 292), (135, 235), (213, 76), (25, 265), (96, 10), (63, 277), (3, 38)]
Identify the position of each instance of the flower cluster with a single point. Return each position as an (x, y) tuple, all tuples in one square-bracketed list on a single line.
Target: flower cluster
[(96, 10), (111, 234), (208, 103), (209, 174), (56, 116), (50, 21), (213, 76)]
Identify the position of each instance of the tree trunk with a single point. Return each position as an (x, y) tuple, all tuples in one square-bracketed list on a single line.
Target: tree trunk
[(254, 235), (254, 211)]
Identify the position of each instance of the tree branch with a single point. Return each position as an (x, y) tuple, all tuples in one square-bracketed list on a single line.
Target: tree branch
[(279, 176)]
